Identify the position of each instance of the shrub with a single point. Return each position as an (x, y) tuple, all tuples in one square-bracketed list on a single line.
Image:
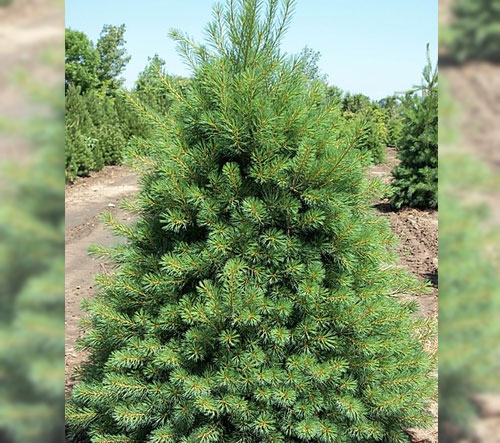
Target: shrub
[(370, 136), (82, 154), (94, 132), (254, 300), (416, 177)]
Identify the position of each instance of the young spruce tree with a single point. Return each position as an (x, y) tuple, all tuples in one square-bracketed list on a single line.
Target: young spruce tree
[(255, 299), (415, 181)]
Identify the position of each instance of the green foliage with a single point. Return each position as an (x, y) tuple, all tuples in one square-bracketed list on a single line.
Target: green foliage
[(475, 31), (393, 120), (356, 103), (81, 61), (98, 124), (415, 181), (32, 280), (370, 134), (82, 155), (369, 126), (254, 300), (112, 57), (94, 136), (106, 129), (96, 67), (150, 87)]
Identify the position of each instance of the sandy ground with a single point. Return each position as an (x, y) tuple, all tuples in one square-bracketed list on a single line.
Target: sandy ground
[(86, 200)]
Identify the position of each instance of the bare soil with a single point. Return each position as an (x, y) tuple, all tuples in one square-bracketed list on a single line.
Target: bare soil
[(417, 231), (86, 200)]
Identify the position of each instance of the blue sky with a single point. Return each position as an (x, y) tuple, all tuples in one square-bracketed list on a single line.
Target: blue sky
[(375, 47)]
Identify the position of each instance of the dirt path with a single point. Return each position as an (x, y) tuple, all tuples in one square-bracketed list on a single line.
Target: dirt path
[(86, 200), (417, 231)]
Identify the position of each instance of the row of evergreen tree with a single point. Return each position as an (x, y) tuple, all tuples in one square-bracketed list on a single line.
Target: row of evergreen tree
[(102, 126), (100, 122)]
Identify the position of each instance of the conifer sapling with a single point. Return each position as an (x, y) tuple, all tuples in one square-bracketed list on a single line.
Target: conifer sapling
[(254, 300)]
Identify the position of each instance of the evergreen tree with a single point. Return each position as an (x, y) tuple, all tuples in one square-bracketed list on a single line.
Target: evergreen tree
[(98, 125), (81, 148), (150, 88), (94, 134), (356, 103), (392, 108), (105, 129), (370, 135), (113, 140), (416, 177), (112, 57), (254, 301)]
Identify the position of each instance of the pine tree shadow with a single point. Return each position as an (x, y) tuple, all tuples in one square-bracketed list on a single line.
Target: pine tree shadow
[(433, 278), (385, 207)]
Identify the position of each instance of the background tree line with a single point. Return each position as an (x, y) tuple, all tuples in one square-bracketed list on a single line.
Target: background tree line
[(104, 121), (99, 122)]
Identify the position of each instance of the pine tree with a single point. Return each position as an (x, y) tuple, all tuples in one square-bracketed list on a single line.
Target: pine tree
[(94, 132), (81, 147), (391, 108), (105, 129), (370, 136), (415, 181), (254, 300)]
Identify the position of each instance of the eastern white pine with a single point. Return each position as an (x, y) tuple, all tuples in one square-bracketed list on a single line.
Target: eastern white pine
[(255, 300)]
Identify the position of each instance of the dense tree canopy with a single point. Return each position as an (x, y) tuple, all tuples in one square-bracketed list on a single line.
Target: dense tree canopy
[(113, 57), (81, 61)]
